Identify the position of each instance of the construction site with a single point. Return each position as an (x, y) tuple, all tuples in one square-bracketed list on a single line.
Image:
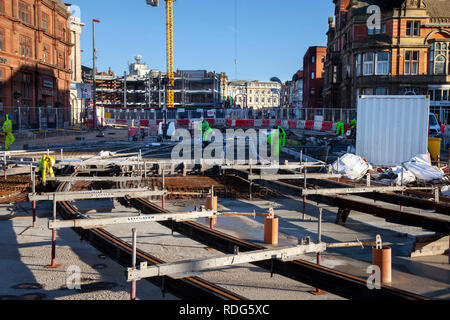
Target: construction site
[(293, 229), (165, 195)]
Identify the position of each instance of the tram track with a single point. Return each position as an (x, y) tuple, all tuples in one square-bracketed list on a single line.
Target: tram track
[(192, 288), (332, 281)]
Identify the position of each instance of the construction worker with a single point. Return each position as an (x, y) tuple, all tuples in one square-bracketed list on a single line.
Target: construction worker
[(281, 140), (206, 131), (340, 129), (353, 125), (46, 168), (7, 130)]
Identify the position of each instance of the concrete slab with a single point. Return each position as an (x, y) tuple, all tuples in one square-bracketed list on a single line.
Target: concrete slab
[(426, 276), (26, 252)]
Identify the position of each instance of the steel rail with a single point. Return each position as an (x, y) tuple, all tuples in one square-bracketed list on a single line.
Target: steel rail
[(396, 216), (332, 281), (442, 207), (120, 251)]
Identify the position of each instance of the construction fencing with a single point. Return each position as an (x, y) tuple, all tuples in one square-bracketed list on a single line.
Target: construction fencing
[(181, 115), (29, 118)]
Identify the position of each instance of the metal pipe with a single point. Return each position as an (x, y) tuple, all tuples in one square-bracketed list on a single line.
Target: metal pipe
[(145, 170), (318, 256), (163, 199), (133, 264), (251, 183), (5, 169), (305, 170), (53, 264), (319, 232), (94, 93), (338, 160), (33, 190)]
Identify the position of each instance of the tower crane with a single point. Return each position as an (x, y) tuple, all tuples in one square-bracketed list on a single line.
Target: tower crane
[(170, 96)]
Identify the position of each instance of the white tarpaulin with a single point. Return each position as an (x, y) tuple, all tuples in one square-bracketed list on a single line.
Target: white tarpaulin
[(408, 176), (421, 167), (353, 166)]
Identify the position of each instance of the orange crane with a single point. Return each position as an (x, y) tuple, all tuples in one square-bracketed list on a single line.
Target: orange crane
[(170, 96)]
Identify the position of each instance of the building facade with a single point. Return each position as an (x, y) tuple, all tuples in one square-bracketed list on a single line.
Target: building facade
[(313, 81), (77, 104), (255, 94), (145, 88), (405, 53), (35, 49), (296, 100)]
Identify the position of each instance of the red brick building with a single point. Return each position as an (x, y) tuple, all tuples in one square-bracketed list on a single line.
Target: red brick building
[(35, 46), (313, 82), (406, 53)]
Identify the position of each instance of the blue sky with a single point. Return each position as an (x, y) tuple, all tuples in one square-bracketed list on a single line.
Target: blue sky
[(272, 36)]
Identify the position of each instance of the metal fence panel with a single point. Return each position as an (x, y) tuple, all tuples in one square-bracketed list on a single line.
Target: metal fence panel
[(392, 129)]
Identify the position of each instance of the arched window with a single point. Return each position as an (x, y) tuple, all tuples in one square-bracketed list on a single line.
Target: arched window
[(439, 65), (439, 58)]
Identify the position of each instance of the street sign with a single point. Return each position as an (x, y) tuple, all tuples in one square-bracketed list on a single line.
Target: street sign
[(84, 91)]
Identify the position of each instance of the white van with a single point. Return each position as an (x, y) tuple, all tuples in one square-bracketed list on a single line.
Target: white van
[(435, 128)]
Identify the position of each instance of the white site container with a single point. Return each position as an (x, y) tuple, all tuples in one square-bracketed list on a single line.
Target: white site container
[(392, 129)]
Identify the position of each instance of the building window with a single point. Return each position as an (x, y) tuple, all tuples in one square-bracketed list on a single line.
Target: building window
[(335, 71), (26, 86), (46, 57), (313, 59), (61, 32), (358, 65), (439, 56), (382, 91), (1, 84), (383, 28), (45, 22), (383, 63), (411, 62), (61, 60), (25, 46), (24, 12), (2, 40), (368, 67), (413, 28), (313, 92), (313, 75), (367, 91)]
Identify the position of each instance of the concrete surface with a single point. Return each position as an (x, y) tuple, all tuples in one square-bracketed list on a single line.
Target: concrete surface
[(26, 252)]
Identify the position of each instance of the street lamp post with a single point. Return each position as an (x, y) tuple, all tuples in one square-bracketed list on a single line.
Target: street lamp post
[(94, 96)]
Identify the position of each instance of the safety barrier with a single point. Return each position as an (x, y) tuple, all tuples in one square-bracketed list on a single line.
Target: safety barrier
[(322, 126)]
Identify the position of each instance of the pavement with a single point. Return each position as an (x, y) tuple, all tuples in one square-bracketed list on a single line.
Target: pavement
[(68, 137), (26, 252)]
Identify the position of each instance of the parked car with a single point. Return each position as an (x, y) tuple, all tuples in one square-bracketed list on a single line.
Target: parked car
[(435, 128)]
